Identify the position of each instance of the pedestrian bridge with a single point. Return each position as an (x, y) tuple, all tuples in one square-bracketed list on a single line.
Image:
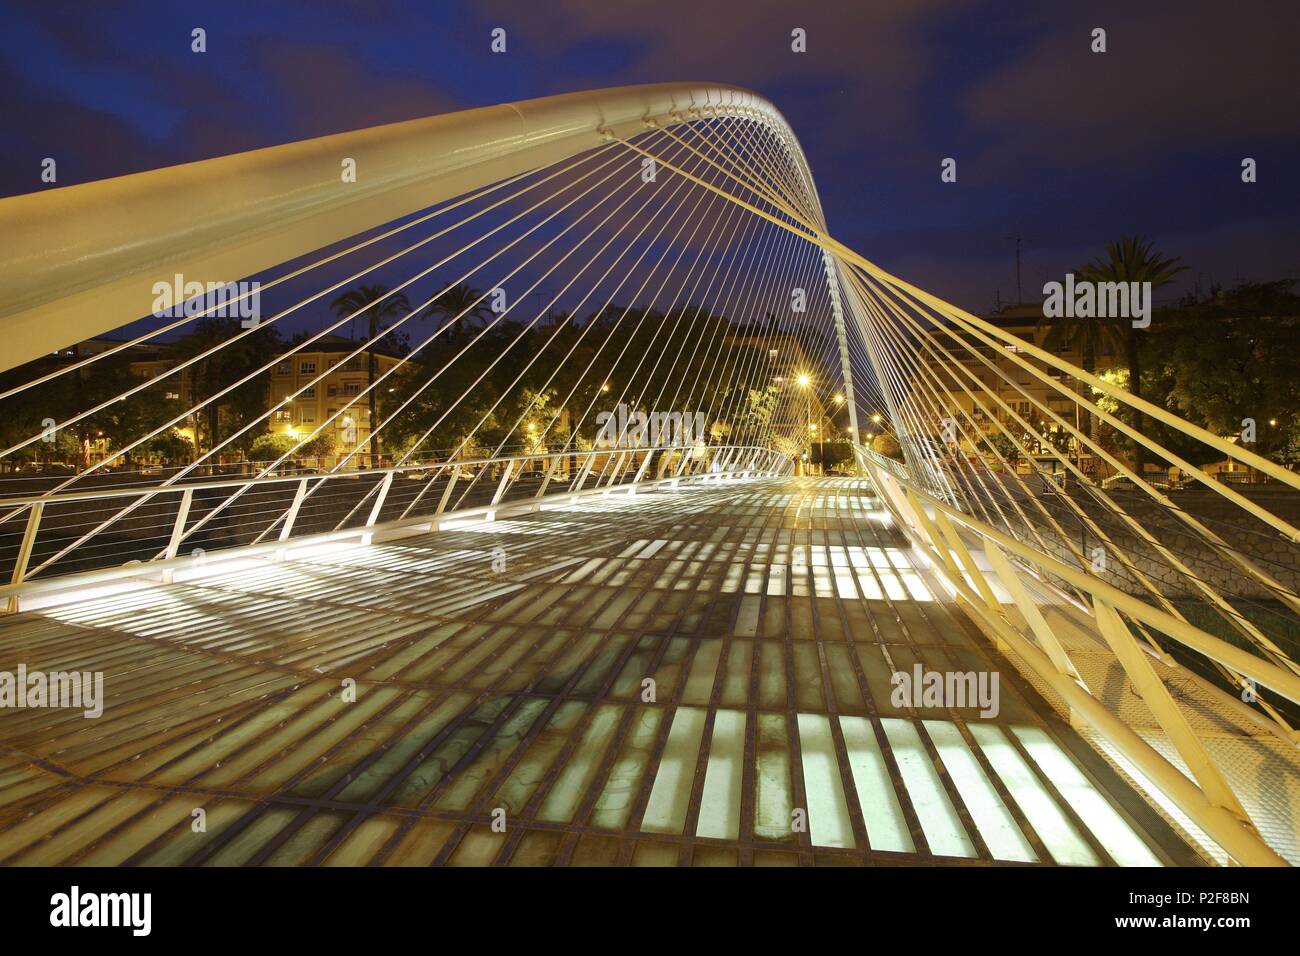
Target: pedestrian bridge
[(913, 597), (769, 613)]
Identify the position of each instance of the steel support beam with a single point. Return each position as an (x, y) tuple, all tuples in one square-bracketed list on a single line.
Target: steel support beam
[(78, 261)]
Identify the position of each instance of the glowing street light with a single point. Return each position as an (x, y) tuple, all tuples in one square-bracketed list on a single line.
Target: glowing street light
[(804, 381)]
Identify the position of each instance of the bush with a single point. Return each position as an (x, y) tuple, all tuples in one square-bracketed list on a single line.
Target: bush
[(271, 446)]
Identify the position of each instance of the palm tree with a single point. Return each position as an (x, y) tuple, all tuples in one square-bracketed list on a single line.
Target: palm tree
[(239, 355), (1087, 337), (454, 300), (1133, 259), (375, 303)]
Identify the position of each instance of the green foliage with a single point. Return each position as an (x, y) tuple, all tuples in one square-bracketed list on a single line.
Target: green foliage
[(370, 303), (1002, 444), (1133, 259), (887, 445), (374, 304), (756, 418), (461, 304), (119, 422), (240, 359), (502, 369), (171, 447), (1235, 357), (271, 446)]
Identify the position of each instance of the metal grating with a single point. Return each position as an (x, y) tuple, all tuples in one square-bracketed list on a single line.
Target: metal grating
[(499, 668)]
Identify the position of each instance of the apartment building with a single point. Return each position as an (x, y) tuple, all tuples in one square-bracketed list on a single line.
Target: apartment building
[(1015, 387), (318, 402)]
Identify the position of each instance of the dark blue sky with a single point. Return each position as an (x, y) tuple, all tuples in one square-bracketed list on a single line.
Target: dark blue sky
[(1064, 146)]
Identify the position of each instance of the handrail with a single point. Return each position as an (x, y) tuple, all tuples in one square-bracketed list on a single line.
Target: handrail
[(1269, 675), (157, 489), (20, 584), (1206, 800)]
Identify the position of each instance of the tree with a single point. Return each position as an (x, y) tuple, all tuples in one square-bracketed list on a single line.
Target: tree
[(1001, 444), (1252, 371), (376, 303), (271, 446), (1088, 337), (1133, 259), (125, 420), (238, 355), (459, 302), (756, 416), (887, 445), (171, 447)]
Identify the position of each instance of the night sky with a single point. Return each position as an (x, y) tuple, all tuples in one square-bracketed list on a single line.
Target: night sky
[(1063, 146)]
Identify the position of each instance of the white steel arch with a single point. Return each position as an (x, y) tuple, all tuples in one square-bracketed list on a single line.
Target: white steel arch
[(79, 260)]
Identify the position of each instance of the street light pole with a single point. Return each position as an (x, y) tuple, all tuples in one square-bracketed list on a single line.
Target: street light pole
[(805, 382)]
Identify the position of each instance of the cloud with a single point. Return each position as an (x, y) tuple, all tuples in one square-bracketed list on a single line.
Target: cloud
[(865, 62), (38, 126), (1173, 77), (322, 89)]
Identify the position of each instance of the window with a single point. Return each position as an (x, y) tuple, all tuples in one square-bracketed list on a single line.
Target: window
[(307, 368), (282, 368), (351, 388), (283, 415), (308, 417), (309, 392), (331, 390)]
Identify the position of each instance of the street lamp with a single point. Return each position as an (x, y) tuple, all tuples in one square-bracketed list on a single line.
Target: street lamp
[(804, 382)]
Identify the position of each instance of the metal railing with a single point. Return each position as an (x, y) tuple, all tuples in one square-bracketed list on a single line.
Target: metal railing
[(554, 192), (45, 537), (951, 539)]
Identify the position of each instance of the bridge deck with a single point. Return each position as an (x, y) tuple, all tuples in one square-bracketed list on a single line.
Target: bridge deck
[(501, 667)]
